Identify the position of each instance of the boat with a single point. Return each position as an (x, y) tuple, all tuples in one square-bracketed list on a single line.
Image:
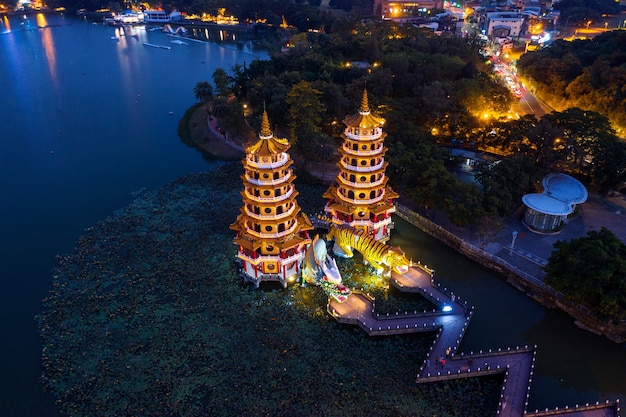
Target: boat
[(152, 45)]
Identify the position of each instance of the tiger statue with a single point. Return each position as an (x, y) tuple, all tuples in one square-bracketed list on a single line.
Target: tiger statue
[(377, 254)]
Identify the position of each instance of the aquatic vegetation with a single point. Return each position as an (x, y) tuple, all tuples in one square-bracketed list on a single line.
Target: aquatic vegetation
[(149, 317)]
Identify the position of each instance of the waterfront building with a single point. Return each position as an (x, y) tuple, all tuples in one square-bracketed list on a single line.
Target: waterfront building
[(272, 232), (546, 212), (399, 9), (360, 196)]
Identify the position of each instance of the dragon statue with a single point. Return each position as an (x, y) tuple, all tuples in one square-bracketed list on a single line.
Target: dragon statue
[(377, 254), (320, 269)]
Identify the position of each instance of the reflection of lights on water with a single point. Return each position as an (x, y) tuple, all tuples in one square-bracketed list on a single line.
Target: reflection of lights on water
[(446, 308), (7, 24)]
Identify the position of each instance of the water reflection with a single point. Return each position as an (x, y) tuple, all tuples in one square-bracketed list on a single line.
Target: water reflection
[(7, 24), (47, 42), (570, 358)]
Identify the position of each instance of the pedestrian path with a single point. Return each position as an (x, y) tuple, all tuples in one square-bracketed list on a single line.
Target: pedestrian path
[(530, 256), (450, 319)]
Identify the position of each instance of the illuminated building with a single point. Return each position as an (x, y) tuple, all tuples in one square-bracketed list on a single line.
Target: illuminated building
[(392, 9), (272, 233), (360, 196)]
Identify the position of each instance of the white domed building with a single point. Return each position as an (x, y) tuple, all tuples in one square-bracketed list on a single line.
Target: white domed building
[(547, 211)]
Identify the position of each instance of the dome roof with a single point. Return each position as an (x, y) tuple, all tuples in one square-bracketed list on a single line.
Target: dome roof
[(561, 193)]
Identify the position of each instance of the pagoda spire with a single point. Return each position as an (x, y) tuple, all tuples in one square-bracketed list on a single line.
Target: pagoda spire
[(365, 108), (265, 126)]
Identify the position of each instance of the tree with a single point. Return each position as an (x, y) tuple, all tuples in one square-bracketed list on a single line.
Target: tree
[(323, 148), (591, 271), (504, 183), (305, 114), (221, 81), (203, 91)]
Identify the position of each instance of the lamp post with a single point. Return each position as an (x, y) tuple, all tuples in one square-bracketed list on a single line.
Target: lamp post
[(588, 23), (514, 236)]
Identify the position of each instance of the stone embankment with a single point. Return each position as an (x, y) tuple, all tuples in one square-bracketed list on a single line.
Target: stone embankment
[(531, 285)]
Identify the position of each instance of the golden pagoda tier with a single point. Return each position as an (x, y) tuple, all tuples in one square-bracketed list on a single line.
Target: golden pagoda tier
[(360, 196), (272, 233)]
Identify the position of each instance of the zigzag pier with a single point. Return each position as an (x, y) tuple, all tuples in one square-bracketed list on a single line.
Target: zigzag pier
[(450, 320)]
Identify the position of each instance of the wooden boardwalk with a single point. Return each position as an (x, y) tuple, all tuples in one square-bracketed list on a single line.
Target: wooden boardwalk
[(450, 319)]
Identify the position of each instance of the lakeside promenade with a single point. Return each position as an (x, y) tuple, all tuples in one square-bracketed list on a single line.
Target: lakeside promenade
[(450, 320)]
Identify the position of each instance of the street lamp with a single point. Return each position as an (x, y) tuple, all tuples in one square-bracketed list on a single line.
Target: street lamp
[(588, 23), (514, 236)]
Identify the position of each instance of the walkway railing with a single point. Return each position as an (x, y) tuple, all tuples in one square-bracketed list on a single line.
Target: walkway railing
[(579, 409)]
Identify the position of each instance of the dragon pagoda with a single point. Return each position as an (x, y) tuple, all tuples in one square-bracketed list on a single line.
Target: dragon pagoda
[(360, 196), (272, 232)]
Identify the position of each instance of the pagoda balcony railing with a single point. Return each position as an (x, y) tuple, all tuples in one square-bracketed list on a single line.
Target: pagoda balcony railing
[(376, 225), (280, 216), (364, 137), (261, 182), (283, 159), (363, 169), (270, 199), (273, 258), (361, 201), (278, 235), (358, 184), (371, 152)]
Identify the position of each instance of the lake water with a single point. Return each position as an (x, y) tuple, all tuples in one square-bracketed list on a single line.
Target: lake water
[(85, 126)]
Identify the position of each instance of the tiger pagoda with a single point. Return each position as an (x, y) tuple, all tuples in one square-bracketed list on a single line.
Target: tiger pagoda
[(272, 232), (360, 196)]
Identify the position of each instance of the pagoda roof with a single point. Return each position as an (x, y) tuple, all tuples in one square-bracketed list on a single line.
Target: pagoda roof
[(246, 164), (268, 201), (355, 208), (344, 168), (347, 184), (353, 153), (364, 119), (255, 244), (267, 144)]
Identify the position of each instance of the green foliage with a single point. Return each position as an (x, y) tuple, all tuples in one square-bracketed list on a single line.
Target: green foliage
[(184, 125), (203, 91), (588, 74), (221, 81), (305, 115), (505, 182), (591, 271)]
